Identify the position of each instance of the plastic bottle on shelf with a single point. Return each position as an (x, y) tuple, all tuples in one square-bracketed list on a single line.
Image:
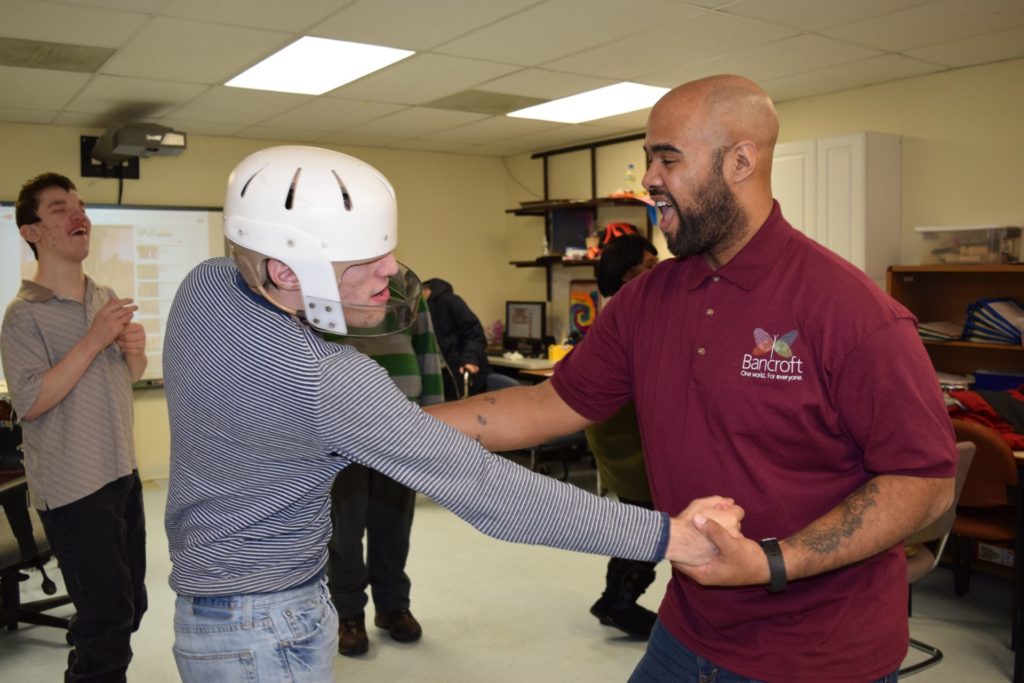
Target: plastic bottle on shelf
[(629, 181)]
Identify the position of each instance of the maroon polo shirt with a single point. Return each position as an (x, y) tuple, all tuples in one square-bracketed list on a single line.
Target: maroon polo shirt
[(786, 379)]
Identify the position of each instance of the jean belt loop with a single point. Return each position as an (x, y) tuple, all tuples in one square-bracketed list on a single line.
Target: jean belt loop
[(247, 601)]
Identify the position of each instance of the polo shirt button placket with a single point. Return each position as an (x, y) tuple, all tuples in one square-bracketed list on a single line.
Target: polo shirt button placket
[(701, 351)]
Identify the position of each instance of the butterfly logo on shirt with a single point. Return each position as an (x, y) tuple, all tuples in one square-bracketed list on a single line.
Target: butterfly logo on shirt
[(767, 343)]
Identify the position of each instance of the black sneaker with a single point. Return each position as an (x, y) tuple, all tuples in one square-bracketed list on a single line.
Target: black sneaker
[(352, 639), (401, 624), (635, 620)]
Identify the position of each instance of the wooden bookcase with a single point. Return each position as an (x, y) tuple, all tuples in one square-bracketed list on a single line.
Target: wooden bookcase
[(943, 292)]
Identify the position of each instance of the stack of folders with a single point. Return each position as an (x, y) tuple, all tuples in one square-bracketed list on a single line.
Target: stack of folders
[(940, 331), (994, 321)]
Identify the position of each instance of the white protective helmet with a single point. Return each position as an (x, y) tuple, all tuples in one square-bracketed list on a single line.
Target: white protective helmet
[(311, 208)]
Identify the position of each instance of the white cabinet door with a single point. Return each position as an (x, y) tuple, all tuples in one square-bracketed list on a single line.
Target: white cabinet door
[(793, 183), (844, 192)]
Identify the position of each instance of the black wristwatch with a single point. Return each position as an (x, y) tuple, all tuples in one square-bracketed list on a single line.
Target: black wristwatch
[(776, 565)]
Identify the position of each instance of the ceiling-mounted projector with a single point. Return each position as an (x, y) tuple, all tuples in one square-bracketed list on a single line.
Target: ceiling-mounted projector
[(137, 140)]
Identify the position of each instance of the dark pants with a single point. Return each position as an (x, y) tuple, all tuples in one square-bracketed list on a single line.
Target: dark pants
[(667, 660), (100, 544), (365, 500)]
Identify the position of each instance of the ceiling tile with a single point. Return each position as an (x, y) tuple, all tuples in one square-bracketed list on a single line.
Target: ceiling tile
[(331, 114), (990, 47), (192, 51), (238, 105), (694, 39), (132, 98), (434, 146), (782, 58), (875, 70), (811, 15), (202, 127), (360, 140), (544, 83), (269, 14), (630, 121), (937, 22), (559, 28), (70, 118), (413, 24), (562, 137), (423, 78), (25, 88), (18, 115), (416, 121), (492, 129), (147, 6), (59, 23), (284, 134), (498, 150)]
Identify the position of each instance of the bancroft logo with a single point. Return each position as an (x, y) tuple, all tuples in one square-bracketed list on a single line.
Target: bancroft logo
[(773, 358)]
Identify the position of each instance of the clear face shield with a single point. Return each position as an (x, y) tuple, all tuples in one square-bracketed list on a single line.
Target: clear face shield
[(397, 314)]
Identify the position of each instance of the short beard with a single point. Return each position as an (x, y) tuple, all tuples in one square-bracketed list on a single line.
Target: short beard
[(716, 221)]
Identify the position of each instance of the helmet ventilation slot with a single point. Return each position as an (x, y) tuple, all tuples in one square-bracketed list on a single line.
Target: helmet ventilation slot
[(344, 191), (290, 199), (251, 178)]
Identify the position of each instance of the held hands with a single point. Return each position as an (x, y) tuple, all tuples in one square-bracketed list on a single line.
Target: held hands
[(110, 322), (471, 367), (688, 545), (132, 339), (739, 561)]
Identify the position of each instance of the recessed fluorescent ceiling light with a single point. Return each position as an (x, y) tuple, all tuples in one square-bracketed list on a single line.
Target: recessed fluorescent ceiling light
[(596, 104), (313, 66)]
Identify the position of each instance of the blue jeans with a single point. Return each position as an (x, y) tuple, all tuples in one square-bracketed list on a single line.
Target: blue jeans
[(290, 635), (666, 659)]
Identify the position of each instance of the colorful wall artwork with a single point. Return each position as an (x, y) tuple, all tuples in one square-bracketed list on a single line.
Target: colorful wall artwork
[(583, 304)]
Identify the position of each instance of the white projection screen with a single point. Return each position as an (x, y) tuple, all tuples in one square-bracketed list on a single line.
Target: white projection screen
[(142, 252)]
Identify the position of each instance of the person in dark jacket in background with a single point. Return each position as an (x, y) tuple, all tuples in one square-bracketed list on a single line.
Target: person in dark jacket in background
[(461, 337)]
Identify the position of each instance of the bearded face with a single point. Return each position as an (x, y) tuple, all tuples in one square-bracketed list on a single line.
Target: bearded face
[(709, 221)]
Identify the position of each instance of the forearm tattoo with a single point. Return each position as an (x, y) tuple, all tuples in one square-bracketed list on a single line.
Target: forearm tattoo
[(826, 540)]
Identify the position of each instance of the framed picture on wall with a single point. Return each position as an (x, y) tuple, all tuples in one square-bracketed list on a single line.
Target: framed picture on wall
[(584, 302)]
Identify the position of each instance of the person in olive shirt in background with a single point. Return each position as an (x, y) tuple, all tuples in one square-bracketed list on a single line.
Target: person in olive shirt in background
[(462, 339), (365, 500), (619, 453)]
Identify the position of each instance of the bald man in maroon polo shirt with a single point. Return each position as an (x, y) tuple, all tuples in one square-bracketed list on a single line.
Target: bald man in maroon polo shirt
[(765, 368)]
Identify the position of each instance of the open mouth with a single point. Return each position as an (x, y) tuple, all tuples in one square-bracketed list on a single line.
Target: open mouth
[(80, 232), (382, 296), (667, 210)]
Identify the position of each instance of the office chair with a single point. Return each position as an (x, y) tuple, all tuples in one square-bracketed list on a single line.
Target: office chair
[(23, 545), (924, 548), (575, 443), (986, 508)]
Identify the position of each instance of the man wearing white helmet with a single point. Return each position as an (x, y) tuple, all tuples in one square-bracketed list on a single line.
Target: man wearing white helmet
[(264, 413)]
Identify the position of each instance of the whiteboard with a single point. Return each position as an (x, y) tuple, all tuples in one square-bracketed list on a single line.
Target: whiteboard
[(142, 252)]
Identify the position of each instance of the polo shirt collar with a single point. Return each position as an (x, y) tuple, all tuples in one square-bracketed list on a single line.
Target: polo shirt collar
[(753, 261), (35, 293)]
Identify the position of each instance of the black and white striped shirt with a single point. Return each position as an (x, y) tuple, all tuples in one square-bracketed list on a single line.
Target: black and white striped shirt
[(264, 414)]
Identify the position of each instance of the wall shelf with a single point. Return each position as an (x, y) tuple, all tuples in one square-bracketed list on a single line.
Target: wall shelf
[(943, 292)]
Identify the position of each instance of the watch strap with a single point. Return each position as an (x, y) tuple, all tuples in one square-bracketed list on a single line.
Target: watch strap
[(776, 565)]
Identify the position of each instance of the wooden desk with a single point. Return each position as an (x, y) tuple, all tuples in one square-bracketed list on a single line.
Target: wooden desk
[(541, 375), (521, 363)]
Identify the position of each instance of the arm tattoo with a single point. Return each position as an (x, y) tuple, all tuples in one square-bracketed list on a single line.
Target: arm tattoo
[(851, 518), (481, 419), (490, 399)]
